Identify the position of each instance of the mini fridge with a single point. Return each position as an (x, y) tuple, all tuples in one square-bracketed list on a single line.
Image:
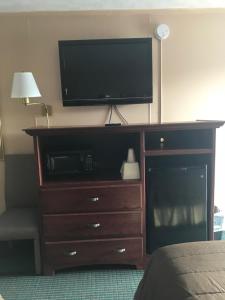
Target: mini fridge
[(176, 205)]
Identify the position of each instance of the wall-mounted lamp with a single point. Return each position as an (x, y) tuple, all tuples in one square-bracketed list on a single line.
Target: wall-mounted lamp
[(24, 87)]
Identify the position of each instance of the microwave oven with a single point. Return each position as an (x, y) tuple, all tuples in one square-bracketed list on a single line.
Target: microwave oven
[(69, 162)]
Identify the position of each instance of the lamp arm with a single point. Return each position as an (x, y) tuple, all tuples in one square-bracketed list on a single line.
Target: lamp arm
[(45, 108)]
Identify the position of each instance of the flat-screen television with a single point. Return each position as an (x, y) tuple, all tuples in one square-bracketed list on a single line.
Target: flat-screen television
[(106, 71)]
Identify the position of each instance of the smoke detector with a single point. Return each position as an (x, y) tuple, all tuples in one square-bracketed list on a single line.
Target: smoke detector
[(162, 31)]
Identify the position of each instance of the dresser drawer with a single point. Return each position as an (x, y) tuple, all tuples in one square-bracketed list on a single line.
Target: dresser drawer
[(114, 251), (88, 226), (86, 199)]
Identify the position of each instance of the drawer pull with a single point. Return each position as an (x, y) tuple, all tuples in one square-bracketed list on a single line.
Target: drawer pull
[(72, 253), (95, 225), (94, 199), (121, 250)]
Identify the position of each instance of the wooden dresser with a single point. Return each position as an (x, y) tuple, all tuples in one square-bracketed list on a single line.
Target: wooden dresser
[(96, 217), (92, 224)]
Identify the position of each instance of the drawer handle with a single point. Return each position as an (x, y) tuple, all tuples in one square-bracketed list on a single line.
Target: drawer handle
[(95, 225), (121, 250), (72, 253), (94, 199)]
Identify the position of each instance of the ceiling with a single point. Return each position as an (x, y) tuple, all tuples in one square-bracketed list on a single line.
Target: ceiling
[(78, 5)]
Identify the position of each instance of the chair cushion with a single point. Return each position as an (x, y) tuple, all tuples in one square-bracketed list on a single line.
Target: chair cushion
[(18, 223)]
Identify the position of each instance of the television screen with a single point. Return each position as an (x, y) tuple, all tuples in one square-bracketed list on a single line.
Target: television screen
[(107, 71)]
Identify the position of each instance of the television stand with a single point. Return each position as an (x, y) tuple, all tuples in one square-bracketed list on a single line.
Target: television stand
[(97, 217)]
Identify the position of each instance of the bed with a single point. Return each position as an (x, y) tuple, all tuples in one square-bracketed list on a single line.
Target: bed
[(185, 271)]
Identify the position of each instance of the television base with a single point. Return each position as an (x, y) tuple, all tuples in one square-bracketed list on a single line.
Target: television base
[(113, 124)]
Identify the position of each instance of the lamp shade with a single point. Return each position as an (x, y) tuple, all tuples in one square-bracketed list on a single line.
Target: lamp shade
[(24, 86)]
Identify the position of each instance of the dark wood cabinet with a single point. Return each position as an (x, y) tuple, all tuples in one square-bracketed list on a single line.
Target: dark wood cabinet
[(96, 217), (91, 199), (92, 225), (96, 251)]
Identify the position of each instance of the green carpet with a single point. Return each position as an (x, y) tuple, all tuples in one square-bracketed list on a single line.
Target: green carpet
[(88, 284)]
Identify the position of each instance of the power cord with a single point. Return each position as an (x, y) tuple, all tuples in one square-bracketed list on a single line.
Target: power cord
[(109, 117), (120, 115)]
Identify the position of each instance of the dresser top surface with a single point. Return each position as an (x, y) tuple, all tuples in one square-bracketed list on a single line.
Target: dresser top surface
[(52, 130)]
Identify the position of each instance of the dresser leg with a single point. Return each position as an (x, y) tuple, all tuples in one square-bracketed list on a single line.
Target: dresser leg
[(140, 266)]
